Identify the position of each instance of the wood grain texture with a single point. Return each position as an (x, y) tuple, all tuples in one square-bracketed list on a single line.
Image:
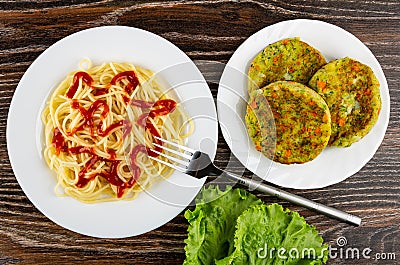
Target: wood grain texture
[(205, 30)]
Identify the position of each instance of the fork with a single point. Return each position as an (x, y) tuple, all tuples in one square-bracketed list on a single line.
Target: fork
[(198, 164)]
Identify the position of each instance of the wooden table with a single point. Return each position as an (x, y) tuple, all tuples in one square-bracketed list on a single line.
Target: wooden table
[(209, 30)]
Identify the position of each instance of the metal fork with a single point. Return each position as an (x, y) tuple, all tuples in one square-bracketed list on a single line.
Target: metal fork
[(199, 165)]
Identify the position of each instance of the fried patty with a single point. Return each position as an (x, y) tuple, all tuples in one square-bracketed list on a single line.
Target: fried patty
[(288, 59), (299, 115), (351, 91)]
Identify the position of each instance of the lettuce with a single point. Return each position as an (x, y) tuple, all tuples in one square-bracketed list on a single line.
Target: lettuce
[(212, 223), (234, 227), (270, 235)]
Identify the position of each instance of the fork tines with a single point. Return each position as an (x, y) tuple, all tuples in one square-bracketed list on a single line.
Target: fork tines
[(182, 161)]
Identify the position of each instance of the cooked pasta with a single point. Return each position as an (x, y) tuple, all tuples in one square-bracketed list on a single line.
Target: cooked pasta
[(100, 124)]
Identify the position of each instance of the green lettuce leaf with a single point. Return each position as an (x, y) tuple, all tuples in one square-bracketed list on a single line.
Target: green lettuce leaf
[(234, 227), (212, 223), (262, 231)]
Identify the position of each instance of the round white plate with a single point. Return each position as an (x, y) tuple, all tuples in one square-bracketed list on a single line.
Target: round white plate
[(333, 165), (25, 130)]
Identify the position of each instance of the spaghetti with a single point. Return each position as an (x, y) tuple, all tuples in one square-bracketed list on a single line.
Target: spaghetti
[(99, 127)]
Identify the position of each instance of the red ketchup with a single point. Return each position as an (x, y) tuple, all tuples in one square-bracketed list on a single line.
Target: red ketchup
[(158, 108), (59, 142), (86, 78)]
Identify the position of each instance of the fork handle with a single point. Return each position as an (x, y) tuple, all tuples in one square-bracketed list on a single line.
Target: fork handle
[(295, 199)]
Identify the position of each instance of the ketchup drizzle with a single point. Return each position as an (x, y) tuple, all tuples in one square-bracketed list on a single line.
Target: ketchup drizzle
[(59, 142), (158, 108), (88, 118), (86, 78), (130, 76), (165, 106)]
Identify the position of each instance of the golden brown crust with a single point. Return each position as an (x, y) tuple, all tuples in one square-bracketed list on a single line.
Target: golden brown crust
[(288, 59), (302, 122), (351, 91)]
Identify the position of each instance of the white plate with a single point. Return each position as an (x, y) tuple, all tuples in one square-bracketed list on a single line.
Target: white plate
[(333, 164), (24, 130)]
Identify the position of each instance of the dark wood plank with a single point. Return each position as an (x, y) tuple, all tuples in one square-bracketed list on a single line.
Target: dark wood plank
[(205, 30)]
